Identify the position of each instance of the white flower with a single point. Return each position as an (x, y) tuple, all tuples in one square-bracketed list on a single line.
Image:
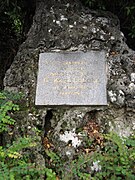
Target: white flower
[(96, 167), (71, 136)]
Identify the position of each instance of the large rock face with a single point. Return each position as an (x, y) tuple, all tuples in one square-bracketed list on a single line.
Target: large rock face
[(67, 26)]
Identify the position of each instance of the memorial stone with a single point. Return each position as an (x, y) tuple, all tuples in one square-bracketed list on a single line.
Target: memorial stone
[(71, 78)]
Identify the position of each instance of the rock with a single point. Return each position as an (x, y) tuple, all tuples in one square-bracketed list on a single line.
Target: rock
[(68, 26)]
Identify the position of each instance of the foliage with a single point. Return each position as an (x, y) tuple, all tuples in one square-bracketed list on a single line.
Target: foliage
[(16, 12), (6, 108), (117, 158), (131, 15), (14, 163), (114, 160), (11, 10)]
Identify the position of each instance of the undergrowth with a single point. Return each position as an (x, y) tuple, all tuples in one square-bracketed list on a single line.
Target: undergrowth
[(113, 158), (14, 164)]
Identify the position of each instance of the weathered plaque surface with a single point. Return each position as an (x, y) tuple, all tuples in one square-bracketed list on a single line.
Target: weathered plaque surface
[(71, 78)]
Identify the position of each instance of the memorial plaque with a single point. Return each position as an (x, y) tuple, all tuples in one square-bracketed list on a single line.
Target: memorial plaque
[(72, 78)]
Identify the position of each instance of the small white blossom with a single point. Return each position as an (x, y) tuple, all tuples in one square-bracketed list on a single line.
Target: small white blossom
[(68, 153), (70, 136), (96, 167)]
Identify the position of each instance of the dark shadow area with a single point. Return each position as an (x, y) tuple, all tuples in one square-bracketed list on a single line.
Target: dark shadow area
[(15, 21), (47, 124)]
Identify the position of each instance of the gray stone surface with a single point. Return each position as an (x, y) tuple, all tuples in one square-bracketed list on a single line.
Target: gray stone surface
[(68, 26), (72, 78)]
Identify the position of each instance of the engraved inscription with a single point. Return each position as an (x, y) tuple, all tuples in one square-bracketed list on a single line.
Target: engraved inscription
[(75, 78)]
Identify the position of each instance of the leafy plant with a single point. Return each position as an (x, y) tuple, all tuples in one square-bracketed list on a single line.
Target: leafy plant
[(130, 10), (15, 165), (15, 161), (114, 160), (12, 9), (6, 108)]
